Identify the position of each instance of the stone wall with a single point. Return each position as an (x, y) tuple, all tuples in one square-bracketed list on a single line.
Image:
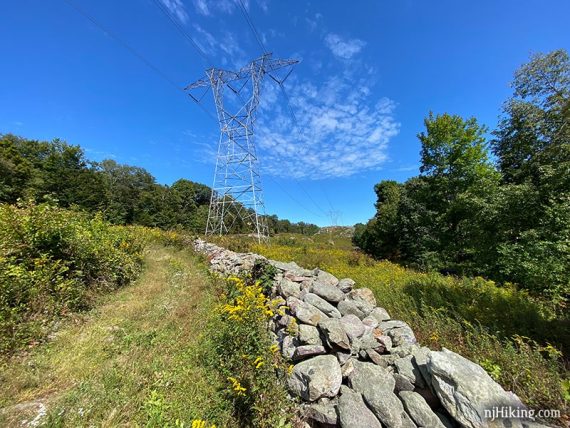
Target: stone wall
[(355, 366)]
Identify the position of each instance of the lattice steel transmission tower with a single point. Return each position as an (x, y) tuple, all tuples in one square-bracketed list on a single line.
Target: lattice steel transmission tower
[(237, 198)]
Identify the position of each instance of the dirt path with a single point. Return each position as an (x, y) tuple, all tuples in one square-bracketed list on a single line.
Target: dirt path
[(136, 359)]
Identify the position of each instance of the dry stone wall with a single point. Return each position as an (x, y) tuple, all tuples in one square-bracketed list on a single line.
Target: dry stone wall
[(356, 367)]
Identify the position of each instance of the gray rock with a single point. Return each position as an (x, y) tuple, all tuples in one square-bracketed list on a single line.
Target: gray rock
[(353, 413), (380, 314), (385, 342), (291, 267), (374, 356), (327, 278), (315, 378), (292, 276), (309, 335), (404, 350), (367, 341), (406, 367), (288, 288), (421, 356), (322, 413), (305, 312), (305, 351), (466, 390), (343, 357), (363, 295), (288, 346), (399, 332), (328, 292), (345, 285), (370, 321), (376, 385), (402, 383), (322, 305), (444, 420), (352, 326), (347, 368), (334, 333), (419, 410), (348, 307)]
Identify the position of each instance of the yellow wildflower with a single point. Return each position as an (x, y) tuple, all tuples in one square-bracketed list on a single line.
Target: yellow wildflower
[(258, 362), (240, 390)]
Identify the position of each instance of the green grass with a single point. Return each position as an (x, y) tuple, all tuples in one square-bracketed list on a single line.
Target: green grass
[(137, 359), (518, 339)]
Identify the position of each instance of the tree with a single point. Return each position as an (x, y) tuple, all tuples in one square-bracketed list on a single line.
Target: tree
[(532, 144)]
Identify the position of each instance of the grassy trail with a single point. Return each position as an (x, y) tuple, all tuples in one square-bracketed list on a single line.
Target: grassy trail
[(134, 360)]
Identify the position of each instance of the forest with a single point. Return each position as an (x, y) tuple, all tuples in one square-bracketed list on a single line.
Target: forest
[(493, 204), (60, 173)]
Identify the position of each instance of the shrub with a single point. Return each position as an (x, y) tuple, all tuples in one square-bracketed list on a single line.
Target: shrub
[(245, 357), (52, 261)]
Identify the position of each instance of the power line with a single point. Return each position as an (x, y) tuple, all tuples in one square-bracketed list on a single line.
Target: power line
[(133, 51), (179, 27), (293, 198), (250, 23), (122, 43)]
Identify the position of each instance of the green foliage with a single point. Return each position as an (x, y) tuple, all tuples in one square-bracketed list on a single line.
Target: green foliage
[(512, 334), (51, 262), (125, 194), (245, 357), (463, 216)]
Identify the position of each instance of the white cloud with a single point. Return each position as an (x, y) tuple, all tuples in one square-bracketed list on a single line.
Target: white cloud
[(343, 48), (176, 7), (340, 131), (214, 7)]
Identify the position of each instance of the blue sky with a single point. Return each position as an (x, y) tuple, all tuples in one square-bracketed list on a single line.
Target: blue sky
[(370, 72)]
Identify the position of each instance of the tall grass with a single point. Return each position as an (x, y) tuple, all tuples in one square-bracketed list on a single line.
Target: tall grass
[(52, 262), (519, 340)]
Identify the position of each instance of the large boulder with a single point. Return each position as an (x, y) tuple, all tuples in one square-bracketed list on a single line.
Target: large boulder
[(363, 295), (380, 314), (399, 332), (466, 391), (304, 351), (288, 288), (305, 312), (352, 325), (323, 413), (406, 367), (334, 333), (309, 335), (353, 413), (316, 378), (376, 385), (419, 410), (328, 292), (322, 305), (327, 278), (345, 285), (350, 307)]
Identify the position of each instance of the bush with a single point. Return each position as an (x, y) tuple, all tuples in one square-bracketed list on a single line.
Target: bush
[(52, 261), (244, 356)]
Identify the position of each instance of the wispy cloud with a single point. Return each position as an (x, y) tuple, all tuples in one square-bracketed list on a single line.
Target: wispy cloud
[(225, 48), (343, 48), (341, 131), (176, 7)]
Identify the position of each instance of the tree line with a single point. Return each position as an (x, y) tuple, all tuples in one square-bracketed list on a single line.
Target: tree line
[(59, 172), (496, 206)]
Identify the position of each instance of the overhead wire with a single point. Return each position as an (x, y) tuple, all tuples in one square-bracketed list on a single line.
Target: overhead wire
[(181, 30), (251, 25), (132, 50), (249, 21)]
